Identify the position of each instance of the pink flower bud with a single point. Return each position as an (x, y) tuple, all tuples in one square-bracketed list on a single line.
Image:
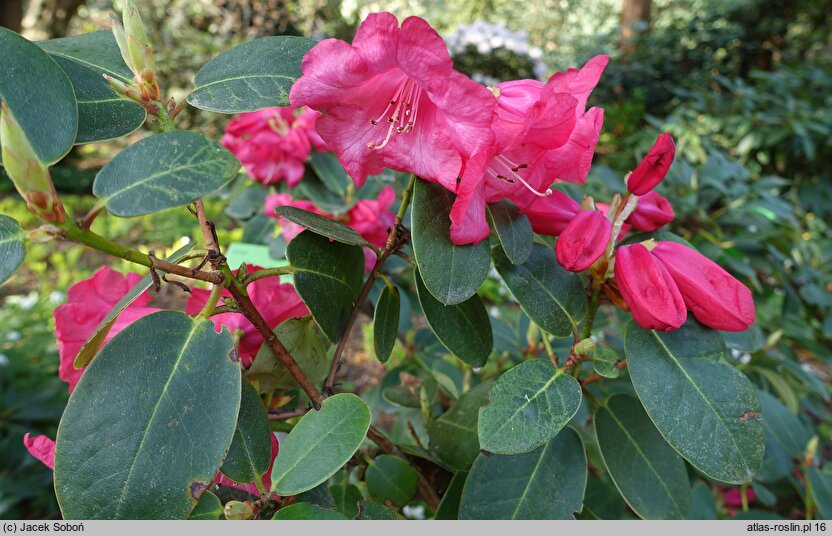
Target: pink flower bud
[(551, 214), (42, 448), (583, 241), (652, 212), (713, 295), (646, 286), (653, 168)]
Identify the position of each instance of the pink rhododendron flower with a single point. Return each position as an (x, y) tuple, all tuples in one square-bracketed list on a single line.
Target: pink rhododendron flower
[(392, 99), (583, 241), (652, 212), (550, 215), (251, 487), (42, 448), (273, 144), (647, 288), (88, 302), (733, 497), (713, 295), (276, 302), (654, 167), (542, 134)]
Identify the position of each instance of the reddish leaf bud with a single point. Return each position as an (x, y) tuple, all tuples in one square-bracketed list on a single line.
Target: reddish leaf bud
[(653, 168), (583, 241), (713, 295), (652, 212), (647, 288)]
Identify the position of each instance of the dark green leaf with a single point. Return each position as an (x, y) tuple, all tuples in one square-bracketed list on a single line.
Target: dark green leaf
[(402, 395), (146, 398), (605, 361), (391, 478), (96, 340), (102, 114), (329, 170), (453, 436), (513, 230), (463, 328), (705, 408), (39, 96), (250, 453), (301, 340), (320, 444), (777, 464), (306, 511), (328, 278), (208, 507), (12, 250), (821, 484), (528, 406), (449, 506), (320, 225), (251, 76), (346, 498), (374, 511), (164, 171), (451, 273), (553, 298), (783, 425), (702, 503), (546, 483), (386, 322), (648, 473)]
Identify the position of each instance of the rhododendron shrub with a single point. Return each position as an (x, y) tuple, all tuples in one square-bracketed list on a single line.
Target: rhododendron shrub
[(521, 333)]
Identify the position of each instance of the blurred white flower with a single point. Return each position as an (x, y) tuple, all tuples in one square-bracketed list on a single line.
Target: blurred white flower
[(413, 512)]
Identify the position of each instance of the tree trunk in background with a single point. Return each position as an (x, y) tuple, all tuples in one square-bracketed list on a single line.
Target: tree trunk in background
[(635, 19), (47, 19), (11, 13)]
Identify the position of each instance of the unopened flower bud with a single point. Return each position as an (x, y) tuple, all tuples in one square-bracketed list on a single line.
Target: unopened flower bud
[(585, 348), (653, 212), (121, 40), (583, 241), (125, 90), (654, 167), (137, 40), (30, 177), (236, 510)]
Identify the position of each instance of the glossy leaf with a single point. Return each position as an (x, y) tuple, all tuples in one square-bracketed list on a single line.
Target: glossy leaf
[(553, 297), (209, 507), (320, 225), (453, 436), (12, 250), (546, 483), (390, 478), (320, 444), (528, 406), (386, 322), (164, 171), (39, 96), (249, 456), (702, 503), (251, 76), (605, 362), (373, 511), (784, 426), (328, 277), (463, 328), (145, 398), (329, 170), (449, 506), (651, 477), (706, 409), (302, 341), (451, 273), (513, 229), (821, 484), (346, 497), (102, 114), (306, 511), (96, 340)]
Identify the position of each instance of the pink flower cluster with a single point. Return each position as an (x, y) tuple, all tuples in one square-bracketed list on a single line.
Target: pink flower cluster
[(371, 218), (273, 144), (392, 99)]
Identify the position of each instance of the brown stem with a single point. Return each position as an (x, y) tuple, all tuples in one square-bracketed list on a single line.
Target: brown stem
[(394, 242), (425, 489), (283, 414)]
